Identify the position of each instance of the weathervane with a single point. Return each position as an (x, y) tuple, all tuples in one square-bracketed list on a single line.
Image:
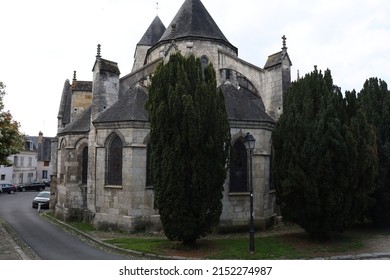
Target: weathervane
[(157, 8)]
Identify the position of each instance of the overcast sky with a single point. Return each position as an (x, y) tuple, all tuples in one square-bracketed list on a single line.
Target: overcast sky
[(44, 41)]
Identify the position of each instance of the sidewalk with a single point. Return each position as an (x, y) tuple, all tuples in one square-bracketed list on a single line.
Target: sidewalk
[(12, 247)]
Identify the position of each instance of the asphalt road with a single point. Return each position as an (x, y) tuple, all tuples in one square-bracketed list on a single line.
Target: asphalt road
[(49, 241)]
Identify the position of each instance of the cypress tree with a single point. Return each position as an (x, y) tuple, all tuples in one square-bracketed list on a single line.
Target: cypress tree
[(190, 140), (375, 98), (316, 144)]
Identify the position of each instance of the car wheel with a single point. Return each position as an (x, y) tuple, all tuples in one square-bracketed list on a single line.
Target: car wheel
[(11, 192), (39, 189), (23, 189)]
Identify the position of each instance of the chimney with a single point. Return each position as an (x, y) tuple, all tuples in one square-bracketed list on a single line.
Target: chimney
[(40, 137)]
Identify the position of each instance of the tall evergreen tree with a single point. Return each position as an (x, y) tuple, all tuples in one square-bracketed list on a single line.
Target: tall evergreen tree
[(316, 144), (190, 140), (375, 98)]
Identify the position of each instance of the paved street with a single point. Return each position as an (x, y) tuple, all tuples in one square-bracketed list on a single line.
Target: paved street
[(47, 240)]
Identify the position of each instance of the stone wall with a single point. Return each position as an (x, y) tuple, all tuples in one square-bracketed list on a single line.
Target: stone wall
[(199, 48), (236, 206), (70, 192), (129, 205), (81, 100)]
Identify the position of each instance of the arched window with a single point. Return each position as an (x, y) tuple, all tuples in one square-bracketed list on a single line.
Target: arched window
[(62, 160), (238, 168), (149, 165), (114, 162), (204, 61), (84, 165)]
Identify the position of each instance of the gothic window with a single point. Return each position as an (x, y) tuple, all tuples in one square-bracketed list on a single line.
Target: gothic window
[(149, 165), (228, 74), (238, 168), (114, 162), (204, 61), (84, 165)]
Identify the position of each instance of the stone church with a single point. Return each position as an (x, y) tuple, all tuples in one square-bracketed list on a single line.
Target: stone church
[(101, 170)]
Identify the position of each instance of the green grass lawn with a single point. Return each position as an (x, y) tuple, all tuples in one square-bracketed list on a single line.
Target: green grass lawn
[(294, 246)]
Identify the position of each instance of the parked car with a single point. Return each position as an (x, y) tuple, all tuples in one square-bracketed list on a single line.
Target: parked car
[(33, 186), (7, 188), (42, 198)]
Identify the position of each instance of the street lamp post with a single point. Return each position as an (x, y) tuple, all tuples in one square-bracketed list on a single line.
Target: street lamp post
[(249, 142)]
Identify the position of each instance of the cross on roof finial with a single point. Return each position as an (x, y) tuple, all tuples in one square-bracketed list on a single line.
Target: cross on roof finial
[(157, 8), (98, 51), (284, 42), (74, 75)]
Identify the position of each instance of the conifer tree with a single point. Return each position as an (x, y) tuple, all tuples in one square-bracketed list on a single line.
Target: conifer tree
[(320, 183), (190, 140), (375, 98)]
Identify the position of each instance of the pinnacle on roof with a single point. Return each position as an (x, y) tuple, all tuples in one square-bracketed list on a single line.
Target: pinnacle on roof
[(153, 33), (193, 20)]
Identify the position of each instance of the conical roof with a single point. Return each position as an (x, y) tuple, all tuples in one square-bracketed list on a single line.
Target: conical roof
[(193, 20), (153, 33)]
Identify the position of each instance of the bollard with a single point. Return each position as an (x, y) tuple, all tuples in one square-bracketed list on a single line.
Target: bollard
[(39, 207)]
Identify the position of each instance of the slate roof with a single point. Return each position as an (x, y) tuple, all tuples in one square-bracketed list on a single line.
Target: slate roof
[(243, 107), (193, 20), (66, 98), (240, 105), (276, 59), (107, 65), (153, 33), (131, 107), (81, 85), (80, 125), (43, 149)]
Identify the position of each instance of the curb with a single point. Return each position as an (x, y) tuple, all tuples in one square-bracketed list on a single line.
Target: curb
[(115, 248), (365, 256)]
